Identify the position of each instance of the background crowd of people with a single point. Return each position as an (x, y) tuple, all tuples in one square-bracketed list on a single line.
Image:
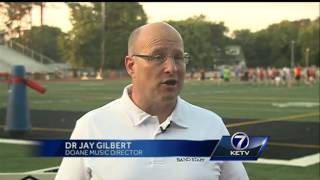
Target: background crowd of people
[(260, 75)]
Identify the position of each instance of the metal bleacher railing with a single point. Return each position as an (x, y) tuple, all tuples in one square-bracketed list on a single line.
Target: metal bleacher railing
[(58, 68), (29, 52)]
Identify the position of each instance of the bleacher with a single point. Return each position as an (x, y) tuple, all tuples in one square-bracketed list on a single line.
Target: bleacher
[(10, 57)]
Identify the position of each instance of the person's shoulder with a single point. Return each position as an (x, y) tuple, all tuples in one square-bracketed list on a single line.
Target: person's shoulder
[(200, 111), (107, 109), (100, 117), (209, 123)]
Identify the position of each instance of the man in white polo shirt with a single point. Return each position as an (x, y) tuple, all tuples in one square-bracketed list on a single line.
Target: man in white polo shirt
[(150, 108)]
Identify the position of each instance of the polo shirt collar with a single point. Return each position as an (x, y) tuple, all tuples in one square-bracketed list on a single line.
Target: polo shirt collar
[(138, 116)]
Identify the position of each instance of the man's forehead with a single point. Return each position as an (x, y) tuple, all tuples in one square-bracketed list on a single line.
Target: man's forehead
[(159, 44), (160, 31), (159, 49), (153, 35)]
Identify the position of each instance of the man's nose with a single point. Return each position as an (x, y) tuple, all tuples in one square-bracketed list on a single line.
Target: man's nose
[(170, 65)]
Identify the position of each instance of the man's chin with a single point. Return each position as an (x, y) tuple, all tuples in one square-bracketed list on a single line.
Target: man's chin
[(169, 94), (169, 97)]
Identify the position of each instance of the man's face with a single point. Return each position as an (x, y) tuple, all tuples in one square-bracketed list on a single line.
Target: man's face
[(156, 81)]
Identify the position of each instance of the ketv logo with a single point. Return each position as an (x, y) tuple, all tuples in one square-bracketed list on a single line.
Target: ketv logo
[(239, 146), (240, 141)]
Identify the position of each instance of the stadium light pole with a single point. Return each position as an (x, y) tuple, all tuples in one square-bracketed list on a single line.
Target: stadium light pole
[(292, 53), (103, 17)]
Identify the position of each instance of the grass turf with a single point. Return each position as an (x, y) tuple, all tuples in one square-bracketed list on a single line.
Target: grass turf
[(228, 100)]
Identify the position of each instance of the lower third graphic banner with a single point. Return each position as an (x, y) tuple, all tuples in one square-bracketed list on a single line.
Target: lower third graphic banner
[(227, 148)]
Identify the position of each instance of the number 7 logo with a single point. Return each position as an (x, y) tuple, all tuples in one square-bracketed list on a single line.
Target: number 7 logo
[(240, 141)]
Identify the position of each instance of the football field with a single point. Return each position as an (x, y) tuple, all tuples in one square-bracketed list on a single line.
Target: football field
[(290, 116)]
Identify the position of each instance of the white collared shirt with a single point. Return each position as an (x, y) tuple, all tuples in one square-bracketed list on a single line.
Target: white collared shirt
[(122, 119)]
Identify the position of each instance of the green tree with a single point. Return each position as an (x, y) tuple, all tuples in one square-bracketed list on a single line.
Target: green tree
[(202, 39), (280, 37), (82, 44), (308, 38), (272, 46), (122, 19), (43, 39), (246, 40)]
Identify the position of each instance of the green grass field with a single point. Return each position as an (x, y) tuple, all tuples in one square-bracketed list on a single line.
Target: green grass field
[(229, 100)]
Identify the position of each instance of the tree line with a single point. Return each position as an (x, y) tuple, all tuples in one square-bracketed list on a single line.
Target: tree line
[(204, 40)]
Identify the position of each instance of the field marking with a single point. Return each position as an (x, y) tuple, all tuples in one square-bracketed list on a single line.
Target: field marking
[(299, 162), (43, 170), (47, 129), (236, 98), (266, 103), (229, 101), (15, 176), (18, 141), (310, 146), (272, 119), (66, 101), (252, 109), (260, 109), (51, 101), (52, 129), (296, 104)]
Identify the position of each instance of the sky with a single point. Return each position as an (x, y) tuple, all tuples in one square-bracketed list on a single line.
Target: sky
[(243, 15)]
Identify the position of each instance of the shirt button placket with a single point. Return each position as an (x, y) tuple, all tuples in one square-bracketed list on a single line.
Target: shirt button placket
[(156, 161)]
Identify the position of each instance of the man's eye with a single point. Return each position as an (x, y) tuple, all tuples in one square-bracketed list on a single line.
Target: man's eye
[(158, 58)]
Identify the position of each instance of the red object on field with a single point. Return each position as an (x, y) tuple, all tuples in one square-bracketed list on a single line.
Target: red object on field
[(36, 86), (32, 84)]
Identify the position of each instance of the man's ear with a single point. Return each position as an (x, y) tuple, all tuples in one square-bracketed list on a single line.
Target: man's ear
[(129, 63)]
